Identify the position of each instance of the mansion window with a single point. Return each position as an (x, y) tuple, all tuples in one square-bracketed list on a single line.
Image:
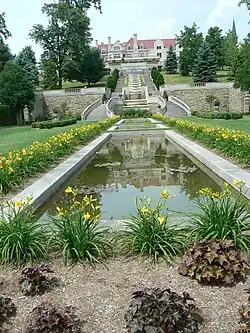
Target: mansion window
[(116, 48), (129, 47), (158, 47), (159, 55), (117, 56)]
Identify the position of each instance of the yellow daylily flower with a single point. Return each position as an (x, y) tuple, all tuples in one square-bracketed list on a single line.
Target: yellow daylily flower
[(144, 210), (86, 216), (161, 219), (18, 204), (69, 189), (165, 194)]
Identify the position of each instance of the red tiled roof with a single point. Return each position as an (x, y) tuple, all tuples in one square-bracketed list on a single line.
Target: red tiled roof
[(103, 46), (147, 43)]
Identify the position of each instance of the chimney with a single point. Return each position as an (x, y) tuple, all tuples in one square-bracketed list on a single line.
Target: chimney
[(109, 43), (96, 43), (135, 42)]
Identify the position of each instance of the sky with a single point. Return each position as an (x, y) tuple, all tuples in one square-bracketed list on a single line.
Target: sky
[(121, 19)]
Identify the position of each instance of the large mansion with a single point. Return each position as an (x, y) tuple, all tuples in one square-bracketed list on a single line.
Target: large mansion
[(137, 50)]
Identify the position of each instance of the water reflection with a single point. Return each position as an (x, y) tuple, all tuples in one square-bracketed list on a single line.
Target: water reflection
[(128, 167)]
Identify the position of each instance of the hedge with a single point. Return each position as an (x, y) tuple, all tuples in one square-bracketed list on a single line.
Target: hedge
[(54, 123), (220, 115), (136, 113), (231, 143), (20, 164)]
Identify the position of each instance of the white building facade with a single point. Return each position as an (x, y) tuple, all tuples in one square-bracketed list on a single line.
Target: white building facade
[(150, 51)]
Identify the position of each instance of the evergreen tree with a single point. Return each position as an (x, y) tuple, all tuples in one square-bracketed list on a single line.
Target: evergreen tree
[(242, 74), (216, 42), (26, 59), (205, 65), (190, 41), (231, 52), (49, 74), (171, 61), (159, 80)]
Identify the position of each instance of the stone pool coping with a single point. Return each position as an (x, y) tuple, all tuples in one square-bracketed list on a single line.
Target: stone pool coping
[(44, 187), (220, 166)]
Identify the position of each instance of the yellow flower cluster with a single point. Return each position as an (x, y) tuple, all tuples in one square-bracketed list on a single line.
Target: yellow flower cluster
[(19, 164), (232, 143), (87, 206)]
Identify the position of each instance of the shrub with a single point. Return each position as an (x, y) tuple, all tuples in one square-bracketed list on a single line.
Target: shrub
[(136, 113), (7, 310), (214, 262), (54, 123), (161, 310), (47, 318), (76, 231), (232, 143), (157, 77), (18, 165), (222, 115), (22, 238), (149, 233), (35, 280), (221, 217), (112, 79), (244, 312)]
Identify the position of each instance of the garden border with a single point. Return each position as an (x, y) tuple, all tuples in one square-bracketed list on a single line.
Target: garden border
[(44, 187), (220, 166)]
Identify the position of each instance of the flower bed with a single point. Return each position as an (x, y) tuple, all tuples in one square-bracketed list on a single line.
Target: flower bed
[(17, 165), (56, 123), (232, 143)]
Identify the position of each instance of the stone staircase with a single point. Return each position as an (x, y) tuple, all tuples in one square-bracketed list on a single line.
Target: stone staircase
[(136, 94), (148, 82), (120, 84)]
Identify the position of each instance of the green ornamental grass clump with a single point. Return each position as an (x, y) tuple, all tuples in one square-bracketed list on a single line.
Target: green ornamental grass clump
[(222, 217), (22, 238), (76, 231), (149, 232)]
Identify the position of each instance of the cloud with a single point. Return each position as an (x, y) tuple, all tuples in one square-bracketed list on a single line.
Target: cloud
[(166, 28), (224, 9)]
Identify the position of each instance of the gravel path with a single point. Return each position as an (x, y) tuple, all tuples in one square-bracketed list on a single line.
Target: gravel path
[(102, 295)]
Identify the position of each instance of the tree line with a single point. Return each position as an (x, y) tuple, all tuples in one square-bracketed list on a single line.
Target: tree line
[(67, 55), (202, 56)]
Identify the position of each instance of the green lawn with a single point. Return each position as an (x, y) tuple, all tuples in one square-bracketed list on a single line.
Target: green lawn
[(240, 124), (101, 83), (21, 137), (179, 79)]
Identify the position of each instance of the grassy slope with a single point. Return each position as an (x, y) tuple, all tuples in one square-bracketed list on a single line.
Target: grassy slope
[(240, 124), (178, 79), (20, 137)]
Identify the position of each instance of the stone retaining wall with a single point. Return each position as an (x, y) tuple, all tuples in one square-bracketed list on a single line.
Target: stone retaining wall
[(75, 104), (231, 99)]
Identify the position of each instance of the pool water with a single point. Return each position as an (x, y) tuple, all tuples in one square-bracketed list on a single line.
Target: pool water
[(130, 166)]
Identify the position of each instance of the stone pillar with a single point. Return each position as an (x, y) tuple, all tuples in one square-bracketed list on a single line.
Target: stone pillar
[(135, 42), (96, 43)]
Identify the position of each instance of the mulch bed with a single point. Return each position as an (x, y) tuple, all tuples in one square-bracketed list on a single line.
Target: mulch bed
[(102, 294)]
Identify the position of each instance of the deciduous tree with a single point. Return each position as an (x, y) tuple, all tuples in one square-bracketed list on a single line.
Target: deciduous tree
[(66, 36), (16, 89), (89, 68)]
